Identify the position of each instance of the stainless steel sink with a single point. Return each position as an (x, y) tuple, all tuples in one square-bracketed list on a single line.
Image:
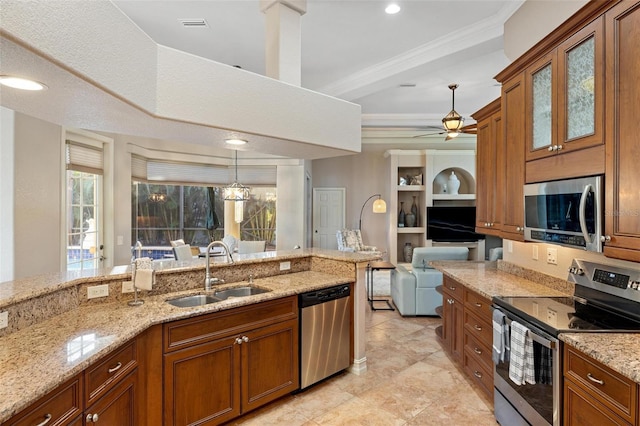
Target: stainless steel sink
[(239, 292), (192, 301)]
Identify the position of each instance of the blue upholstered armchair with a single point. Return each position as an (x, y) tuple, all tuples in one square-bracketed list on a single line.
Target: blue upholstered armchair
[(414, 293)]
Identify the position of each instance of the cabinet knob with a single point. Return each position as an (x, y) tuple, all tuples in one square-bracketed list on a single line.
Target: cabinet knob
[(115, 368), (92, 418), (605, 238), (559, 147), (479, 305), (518, 228), (477, 327), (238, 341), (478, 351), (594, 380), (477, 374), (550, 148), (245, 339)]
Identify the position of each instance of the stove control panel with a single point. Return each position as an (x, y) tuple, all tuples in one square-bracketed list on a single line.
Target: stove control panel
[(611, 278)]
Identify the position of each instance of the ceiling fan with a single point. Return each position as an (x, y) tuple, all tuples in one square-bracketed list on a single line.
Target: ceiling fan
[(452, 123)]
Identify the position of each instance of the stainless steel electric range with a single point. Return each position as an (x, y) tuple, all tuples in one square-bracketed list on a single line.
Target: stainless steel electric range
[(606, 299)]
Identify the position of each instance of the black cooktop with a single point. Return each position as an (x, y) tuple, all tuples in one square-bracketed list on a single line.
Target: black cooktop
[(566, 314)]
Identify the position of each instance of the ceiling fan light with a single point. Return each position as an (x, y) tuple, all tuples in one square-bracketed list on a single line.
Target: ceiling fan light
[(452, 121)]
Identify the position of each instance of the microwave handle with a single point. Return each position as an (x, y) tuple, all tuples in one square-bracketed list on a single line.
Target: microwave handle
[(582, 213)]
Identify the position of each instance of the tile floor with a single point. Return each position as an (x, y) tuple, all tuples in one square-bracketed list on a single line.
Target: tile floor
[(409, 381)]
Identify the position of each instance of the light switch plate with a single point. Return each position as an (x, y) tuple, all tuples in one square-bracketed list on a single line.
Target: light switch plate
[(534, 252), (4, 319), (97, 291)]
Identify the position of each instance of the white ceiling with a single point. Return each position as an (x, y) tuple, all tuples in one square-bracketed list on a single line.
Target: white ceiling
[(354, 51)]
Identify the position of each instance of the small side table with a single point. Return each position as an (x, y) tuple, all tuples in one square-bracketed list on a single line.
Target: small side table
[(377, 266)]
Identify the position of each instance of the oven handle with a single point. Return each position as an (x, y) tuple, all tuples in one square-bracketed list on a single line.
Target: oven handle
[(582, 213), (535, 337)]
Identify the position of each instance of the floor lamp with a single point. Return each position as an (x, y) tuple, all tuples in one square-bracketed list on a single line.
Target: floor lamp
[(379, 206)]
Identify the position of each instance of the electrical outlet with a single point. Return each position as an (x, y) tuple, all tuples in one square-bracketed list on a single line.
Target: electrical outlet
[(127, 286), (552, 256), (534, 252), (97, 291), (4, 319), (285, 266)]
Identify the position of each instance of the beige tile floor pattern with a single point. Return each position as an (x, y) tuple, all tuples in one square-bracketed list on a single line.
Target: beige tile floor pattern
[(409, 381)]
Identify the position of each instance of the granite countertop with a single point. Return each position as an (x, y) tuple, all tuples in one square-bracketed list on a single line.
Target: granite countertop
[(35, 360), (618, 351), (487, 280)]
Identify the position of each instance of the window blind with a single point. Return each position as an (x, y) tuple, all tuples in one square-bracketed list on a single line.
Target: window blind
[(84, 158), (187, 173)]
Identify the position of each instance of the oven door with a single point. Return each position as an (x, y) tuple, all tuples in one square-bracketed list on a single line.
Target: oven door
[(537, 404)]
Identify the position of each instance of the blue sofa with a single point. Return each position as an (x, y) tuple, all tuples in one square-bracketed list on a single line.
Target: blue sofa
[(414, 292)]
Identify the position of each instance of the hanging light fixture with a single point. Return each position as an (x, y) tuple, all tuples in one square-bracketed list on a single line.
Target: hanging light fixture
[(238, 193), (453, 121)]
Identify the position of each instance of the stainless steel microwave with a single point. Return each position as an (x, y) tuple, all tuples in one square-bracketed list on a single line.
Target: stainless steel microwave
[(566, 212)]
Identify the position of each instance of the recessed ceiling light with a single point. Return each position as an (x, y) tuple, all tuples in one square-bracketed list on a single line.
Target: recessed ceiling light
[(235, 141), (392, 9), (193, 23), (407, 85), (21, 83)]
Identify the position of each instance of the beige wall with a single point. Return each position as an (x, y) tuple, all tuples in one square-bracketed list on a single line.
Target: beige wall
[(533, 21), (522, 253), (363, 175), (37, 208)]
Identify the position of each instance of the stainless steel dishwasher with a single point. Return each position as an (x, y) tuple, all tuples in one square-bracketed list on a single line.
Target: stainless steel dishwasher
[(325, 331)]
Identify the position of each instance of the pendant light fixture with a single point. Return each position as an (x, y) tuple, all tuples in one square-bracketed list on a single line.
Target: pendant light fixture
[(238, 193), (453, 121)]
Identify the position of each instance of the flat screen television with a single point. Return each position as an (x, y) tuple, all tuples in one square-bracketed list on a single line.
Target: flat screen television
[(452, 224)]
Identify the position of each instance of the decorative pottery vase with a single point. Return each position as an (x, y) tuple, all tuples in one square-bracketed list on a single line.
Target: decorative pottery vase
[(401, 215), (453, 184), (410, 220), (408, 252), (414, 211)]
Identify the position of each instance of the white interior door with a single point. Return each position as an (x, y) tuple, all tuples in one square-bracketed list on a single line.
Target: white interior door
[(328, 216)]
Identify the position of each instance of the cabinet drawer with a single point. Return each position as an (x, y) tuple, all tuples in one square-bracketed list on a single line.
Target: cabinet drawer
[(103, 376), (478, 372), (452, 287), (184, 333), (60, 406), (581, 409), (478, 328), (479, 350), (477, 304), (607, 386)]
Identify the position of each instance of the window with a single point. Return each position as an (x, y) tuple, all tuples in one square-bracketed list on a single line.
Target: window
[(84, 165), (163, 213)]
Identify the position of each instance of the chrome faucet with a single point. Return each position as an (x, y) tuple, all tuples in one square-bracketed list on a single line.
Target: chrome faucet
[(207, 276), (138, 249)]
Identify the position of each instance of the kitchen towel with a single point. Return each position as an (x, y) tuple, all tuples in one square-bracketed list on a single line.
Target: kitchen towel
[(143, 274), (521, 369), (499, 336), (543, 364)]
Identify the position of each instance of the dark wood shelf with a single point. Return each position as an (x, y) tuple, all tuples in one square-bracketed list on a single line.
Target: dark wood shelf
[(439, 332), (439, 289), (439, 311)]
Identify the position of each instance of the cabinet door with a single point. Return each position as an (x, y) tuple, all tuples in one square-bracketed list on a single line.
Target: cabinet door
[(457, 330), (269, 364), (541, 107), (622, 180), (513, 121), (488, 173), (581, 89), (117, 407), (581, 409), (202, 384), (447, 321)]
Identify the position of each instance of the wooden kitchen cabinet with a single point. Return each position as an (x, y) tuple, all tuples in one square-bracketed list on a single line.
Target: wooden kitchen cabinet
[(565, 96), (622, 180), (117, 406), (513, 122), (62, 406), (466, 332), (242, 358), (489, 166), (452, 318), (596, 395)]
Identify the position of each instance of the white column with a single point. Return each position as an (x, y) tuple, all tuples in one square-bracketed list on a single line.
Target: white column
[(283, 40), (359, 365)]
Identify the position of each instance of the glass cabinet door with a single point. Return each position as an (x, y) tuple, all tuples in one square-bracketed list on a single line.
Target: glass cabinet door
[(581, 89), (542, 108)]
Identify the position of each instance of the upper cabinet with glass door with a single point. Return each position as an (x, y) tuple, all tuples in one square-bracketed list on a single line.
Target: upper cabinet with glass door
[(565, 95)]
